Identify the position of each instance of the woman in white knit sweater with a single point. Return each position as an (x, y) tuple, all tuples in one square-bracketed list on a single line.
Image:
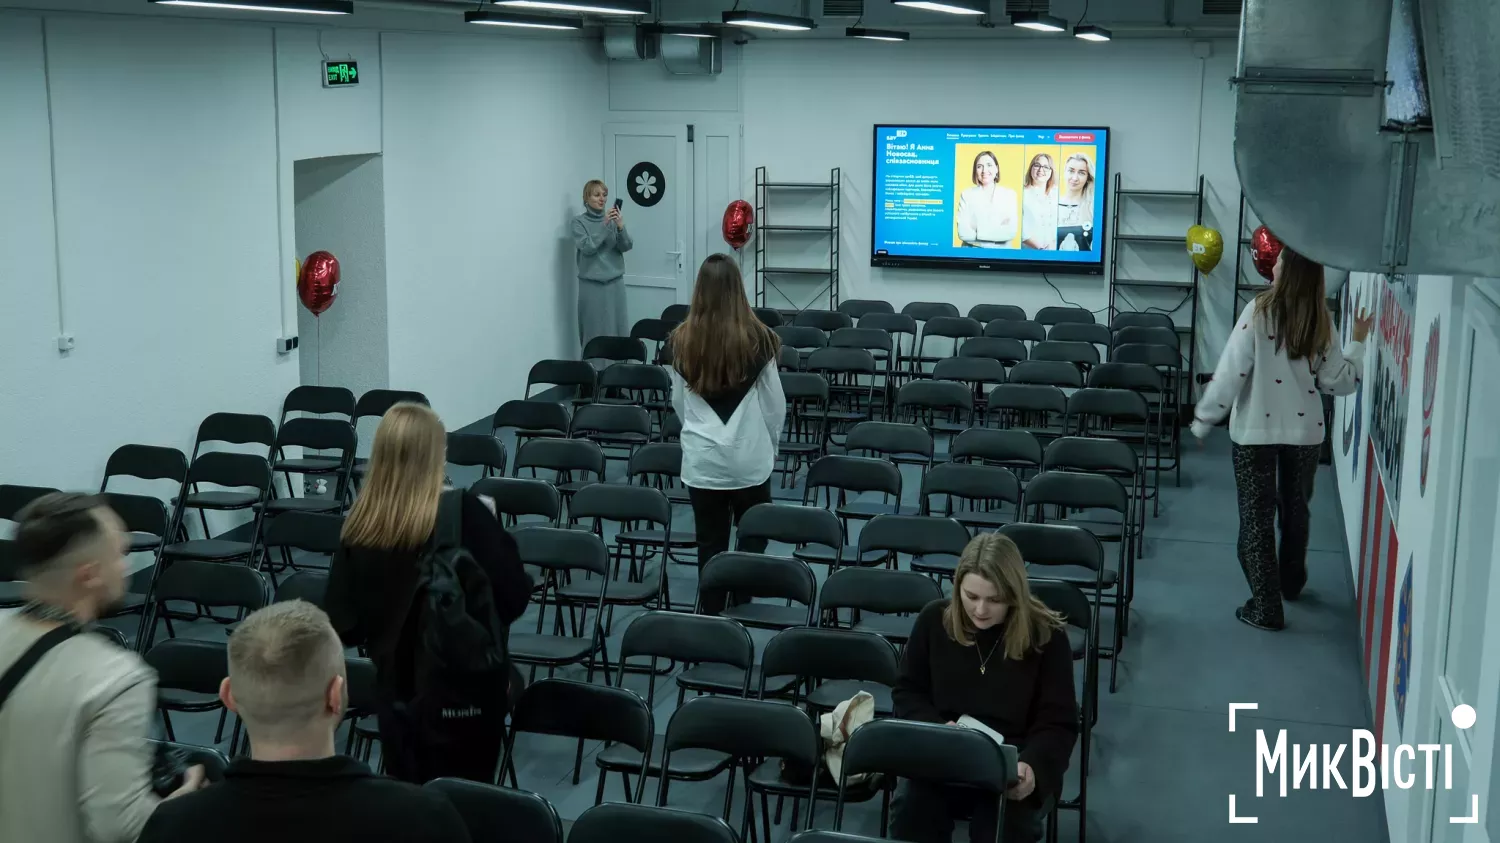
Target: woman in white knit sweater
[(1281, 355)]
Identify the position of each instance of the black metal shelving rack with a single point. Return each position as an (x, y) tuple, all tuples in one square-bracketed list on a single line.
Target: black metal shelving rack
[(1244, 287), (1188, 286), (765, 224)]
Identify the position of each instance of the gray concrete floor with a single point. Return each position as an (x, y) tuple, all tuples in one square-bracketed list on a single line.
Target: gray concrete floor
[(1164, 762)]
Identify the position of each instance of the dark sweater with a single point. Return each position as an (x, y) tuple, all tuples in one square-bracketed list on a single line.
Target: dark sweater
[(1030, 701), (369, 590), (331, 800)]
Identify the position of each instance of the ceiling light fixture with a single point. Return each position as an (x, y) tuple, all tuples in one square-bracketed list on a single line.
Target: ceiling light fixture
[(521, 21), (1090, 32), (952, 7), (688, 31), (761, 20), (1038, 21), (587, 7), (300, 7), (877, 34)]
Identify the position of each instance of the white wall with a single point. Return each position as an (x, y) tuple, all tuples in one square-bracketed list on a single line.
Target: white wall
[(340, 208), (162, 139), (486, 149)]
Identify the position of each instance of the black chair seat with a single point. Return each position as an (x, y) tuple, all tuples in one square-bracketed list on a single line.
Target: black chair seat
[(1079, 640), (830, 694), (207, 549), (531, 648), (127, 605), (222, 500), (768, 778), (654, 538), (686, 763), (1076, 574), (173, 699), (725, 679), (799, 447), (309, 465), (981, 520), (618, 591), (566, 489), (895, 628), (280, 505), (767, 615), (679, 496), (821, 555), (942, 564), (867, 509), (140, 542)]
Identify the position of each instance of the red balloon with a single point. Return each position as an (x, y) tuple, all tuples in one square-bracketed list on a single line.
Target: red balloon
[(739, 223), (318, 285), (1265, 249)]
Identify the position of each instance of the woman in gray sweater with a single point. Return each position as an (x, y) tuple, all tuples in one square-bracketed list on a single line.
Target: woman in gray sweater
[(602, 242)]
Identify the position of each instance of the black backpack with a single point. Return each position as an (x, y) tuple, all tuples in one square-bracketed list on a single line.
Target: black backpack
[(459, 633)]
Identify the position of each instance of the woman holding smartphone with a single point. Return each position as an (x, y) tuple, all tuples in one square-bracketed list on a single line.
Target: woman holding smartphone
[(727, 391), (602, 242)]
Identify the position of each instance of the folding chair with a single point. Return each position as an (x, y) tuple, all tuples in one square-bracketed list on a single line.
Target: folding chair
[(532, 419), (619, 822), (518, 497), (837, 476), (934, 543), (570, 709), (615, 349), (978, 488), (563, 553), (501, 813), (984, 314), (1050, 316), (860, 308), (880, 600), (478, 450)]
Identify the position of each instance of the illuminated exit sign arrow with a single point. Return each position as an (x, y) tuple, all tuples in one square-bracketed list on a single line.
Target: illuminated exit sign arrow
[(337, 74)]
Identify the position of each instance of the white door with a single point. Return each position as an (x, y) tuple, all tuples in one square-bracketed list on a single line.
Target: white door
[(649, 169), (717, 180), (1469, 662)]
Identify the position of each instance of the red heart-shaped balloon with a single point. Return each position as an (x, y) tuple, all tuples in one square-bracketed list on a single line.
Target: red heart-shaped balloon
[(318, 285), (739, 223), (1265, 249)]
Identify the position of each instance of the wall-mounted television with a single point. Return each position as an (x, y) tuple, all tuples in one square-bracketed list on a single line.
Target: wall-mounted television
[(1005, 198)]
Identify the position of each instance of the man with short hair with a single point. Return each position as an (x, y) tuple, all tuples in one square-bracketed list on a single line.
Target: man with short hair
[(75, 709), (287, 683)]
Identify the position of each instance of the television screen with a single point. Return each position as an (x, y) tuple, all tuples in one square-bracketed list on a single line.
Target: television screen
[(1022, 199)]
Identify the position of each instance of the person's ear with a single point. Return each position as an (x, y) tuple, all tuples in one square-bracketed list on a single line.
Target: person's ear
[(336, 700), (226, 695)]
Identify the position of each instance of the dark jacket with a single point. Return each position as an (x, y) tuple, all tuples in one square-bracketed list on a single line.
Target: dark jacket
[(369, 590), (1030, 701), (331, 800)]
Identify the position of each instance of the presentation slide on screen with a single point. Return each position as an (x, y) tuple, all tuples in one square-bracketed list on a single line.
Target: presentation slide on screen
[(989, 194)]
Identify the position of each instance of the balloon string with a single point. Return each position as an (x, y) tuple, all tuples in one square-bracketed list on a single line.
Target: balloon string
[(319, 320)]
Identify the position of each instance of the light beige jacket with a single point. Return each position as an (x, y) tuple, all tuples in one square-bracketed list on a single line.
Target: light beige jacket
[(74, 763)]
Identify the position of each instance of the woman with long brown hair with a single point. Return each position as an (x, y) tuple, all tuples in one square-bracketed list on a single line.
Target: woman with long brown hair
[(995, 654), (727, 392), (1281, 357), (376, 599)]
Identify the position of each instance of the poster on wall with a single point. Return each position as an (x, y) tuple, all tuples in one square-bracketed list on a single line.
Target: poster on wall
[(1391, 387), (1376, 586)]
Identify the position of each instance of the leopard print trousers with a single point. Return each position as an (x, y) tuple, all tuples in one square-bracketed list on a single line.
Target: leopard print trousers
[(1272, 481)]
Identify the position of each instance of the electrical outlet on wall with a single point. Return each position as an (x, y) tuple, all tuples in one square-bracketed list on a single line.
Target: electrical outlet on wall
[(65, 343), (286, 345)]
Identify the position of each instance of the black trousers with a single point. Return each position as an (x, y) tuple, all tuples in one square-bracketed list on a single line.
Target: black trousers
[(1272, 481), (924, 812), (714, 512)]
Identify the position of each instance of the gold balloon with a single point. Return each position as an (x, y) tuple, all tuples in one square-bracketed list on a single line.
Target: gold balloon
[(1206, 246)]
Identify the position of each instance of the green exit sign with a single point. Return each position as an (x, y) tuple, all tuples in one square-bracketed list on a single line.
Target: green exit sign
[(336, 74)]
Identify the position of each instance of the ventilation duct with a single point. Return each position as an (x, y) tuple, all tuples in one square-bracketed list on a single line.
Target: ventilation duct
[(693, 56), (1323, 169), (629, 43)]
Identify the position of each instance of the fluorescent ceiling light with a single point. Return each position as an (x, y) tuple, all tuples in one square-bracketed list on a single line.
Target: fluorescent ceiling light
[(952, 7), (684, 30), (521, 21), (1039, 22), (301, 7), (877, 34), (761, 20), (1089, 32), (596, 7)]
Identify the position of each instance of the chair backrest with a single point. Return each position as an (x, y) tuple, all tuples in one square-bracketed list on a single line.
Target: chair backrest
[(923, 311), (655, 330), (1063, 374), (515, 496), (1148, 354), (146, 462), (968, 369), (1112, 404), (768, 316), (820, 653), (141, 513), (1130, 319), (1088, 332), (788, 359), (1077, 490), (955, 327), (1028, 397), (891, 323), (870, 339), (682, 637), (1000, 349), (477, 449), (744, 729), (615, 348), (621, 503), (1007, 447), (972, 481), (930, 752), (14, 498), (377, 402), (1016, 329), (1121, 375), (624, 822), (846, 360), (791, 524), (319, 434), (889, 439), (1056, 545), (801, 336), (319, 401), (854, 474), (759, 575), (1069, 352), (941, 395), (212, 584), (311, 586), (575, 373), (610, 419), (878, 590), (572, 709), (533, 416), (804, 386), (561, 455), (236, 429), (860, 308), (1089, 453), (674, 313), (313, 532), (1054, 315), (189, 664), (222, 468), (558, 549), (918, 535), (659, 459), (1067, 600), (212, 761), (641, 377), (1147, 335), (823, 320), (987, 313), (501, 813)]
